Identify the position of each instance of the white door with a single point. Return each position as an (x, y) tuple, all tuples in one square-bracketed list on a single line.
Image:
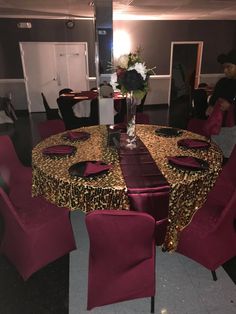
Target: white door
[(71, 66), (45, 71)]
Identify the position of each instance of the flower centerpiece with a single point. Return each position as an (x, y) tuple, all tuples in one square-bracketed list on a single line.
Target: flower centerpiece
[(131, 78)]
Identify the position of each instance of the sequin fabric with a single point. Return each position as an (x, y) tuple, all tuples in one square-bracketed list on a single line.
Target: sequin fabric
[(189, 189)]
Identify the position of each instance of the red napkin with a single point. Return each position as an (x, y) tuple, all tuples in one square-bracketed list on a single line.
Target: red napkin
[(72, 135), (186, 161), (59, 150), (193, 143), (95, 168)]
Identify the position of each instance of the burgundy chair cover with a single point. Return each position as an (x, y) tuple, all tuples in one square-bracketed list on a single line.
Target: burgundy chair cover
[(210, 238), (213, 124), (229, 173), (196, 125), (11, 169), (50, 127), (35, 235), (121, 257)]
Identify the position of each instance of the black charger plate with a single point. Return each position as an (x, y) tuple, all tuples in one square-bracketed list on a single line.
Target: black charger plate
[(168, 132), (77, 170)]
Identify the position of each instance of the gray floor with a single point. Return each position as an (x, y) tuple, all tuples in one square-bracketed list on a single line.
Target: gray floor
[(183, 286)]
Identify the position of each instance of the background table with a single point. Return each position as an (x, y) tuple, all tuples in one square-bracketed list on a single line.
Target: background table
[(188, 188)]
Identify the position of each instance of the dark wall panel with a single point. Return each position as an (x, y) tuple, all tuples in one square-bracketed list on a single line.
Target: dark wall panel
[(44, 31), (155, 39)]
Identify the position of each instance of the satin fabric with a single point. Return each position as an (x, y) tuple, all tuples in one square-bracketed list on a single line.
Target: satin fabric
[(217, 119), (147, 188)]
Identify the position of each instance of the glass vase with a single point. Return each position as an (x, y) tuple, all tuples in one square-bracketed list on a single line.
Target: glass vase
[(131, 117)]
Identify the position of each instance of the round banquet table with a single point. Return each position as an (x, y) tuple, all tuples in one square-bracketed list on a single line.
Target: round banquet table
[(188, 189)]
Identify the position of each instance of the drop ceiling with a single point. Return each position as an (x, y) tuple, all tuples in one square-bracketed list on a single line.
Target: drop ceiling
[(123, 9)]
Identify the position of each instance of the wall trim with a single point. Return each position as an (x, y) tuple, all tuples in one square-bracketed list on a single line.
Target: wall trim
[(212, 75), (19, 80), (167, 76)]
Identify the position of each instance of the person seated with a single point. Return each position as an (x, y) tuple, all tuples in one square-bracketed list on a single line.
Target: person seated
[(224, 95), (225, 89)]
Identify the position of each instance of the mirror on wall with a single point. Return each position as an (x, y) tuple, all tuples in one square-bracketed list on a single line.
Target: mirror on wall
[(185, 75)]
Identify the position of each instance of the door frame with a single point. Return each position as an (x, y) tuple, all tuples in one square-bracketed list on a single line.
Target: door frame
[(198, 64), (21, 45)]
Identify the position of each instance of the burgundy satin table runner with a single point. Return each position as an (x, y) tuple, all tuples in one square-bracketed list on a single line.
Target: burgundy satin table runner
[(147, 188)]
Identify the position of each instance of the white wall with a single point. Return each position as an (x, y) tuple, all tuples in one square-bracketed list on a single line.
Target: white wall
[(15, 89)]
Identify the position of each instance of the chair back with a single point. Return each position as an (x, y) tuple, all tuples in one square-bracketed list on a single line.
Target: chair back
[(10, 165), (200, 103), (8, 211), (196, 125), (121, 257), (50, 127), (65, 91), (71, 121), (210, 238), (50, 113)]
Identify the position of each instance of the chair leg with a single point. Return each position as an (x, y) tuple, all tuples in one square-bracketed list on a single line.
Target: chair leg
[(152, 304), (214, 275)]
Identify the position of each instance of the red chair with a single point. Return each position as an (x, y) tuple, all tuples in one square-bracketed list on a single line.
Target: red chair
[(196, 125), (12, 171), (50, 127), (29, 222), (214, 122), (35, 235), (121, 257), (210, 238)]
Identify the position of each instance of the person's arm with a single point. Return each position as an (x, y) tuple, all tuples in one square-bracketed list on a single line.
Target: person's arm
[(215, 96)]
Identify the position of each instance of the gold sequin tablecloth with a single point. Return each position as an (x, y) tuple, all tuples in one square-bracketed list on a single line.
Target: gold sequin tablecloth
[(188, 188)]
